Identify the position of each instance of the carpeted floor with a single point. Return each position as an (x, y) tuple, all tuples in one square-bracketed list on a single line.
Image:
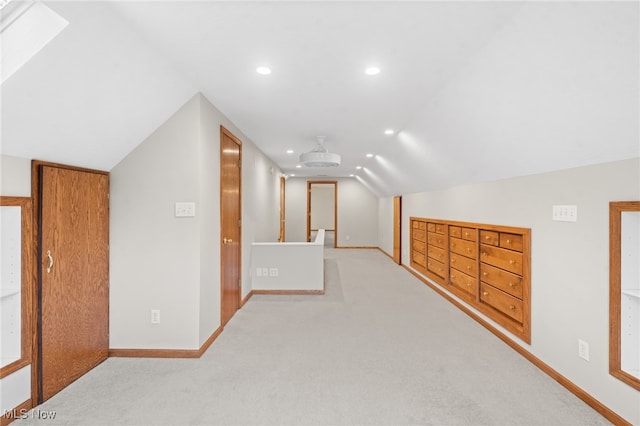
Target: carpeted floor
[(379, 348)]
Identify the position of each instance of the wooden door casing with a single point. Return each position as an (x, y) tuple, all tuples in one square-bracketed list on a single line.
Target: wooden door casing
[(282, 208), (397, 229), (230, 226), (74, 275)]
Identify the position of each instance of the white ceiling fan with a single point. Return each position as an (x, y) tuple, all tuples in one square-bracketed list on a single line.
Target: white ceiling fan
[(320, 157)]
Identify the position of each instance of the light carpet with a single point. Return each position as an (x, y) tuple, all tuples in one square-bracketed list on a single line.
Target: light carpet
[(379, 348)]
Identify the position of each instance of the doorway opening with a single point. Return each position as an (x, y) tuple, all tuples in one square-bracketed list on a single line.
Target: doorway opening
[(322, 211)]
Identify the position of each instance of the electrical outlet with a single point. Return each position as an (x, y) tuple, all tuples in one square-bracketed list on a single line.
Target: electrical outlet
[(258, 272), (583, 349), (265, 272), (273, 272), (155, 316)]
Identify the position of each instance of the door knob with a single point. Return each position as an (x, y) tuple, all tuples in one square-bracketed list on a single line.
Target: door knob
[(226, 240)]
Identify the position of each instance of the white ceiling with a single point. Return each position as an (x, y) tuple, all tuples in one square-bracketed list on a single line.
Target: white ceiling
[(475, 90)]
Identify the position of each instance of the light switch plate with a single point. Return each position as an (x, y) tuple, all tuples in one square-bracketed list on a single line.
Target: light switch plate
[(185, 209), (565, 213)]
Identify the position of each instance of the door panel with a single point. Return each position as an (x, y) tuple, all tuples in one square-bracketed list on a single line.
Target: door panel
[(282, 209), (397, 229), (230, 248), (74, 292)]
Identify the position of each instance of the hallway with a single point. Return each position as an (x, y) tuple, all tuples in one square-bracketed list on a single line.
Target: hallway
[(379, 347)]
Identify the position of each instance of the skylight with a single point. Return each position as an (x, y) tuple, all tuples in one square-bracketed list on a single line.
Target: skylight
[(26, 27)]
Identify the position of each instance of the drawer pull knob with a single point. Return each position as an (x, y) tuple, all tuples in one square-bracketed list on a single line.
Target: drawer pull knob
[(468, 267), (453, 244), (484, 293), (469, 250), (508, 241), (484, 253), (487, 238), (485, 273), (453, 261), (511, 284), (466, 234), (512, 307), (439, 241), (453, 277), (512, 262)]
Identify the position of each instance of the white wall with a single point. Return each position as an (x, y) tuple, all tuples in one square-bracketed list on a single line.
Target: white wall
[(154, 256), (322, 206), (357, 212), (15, 176), (281, 266), (385, 224), (162, 262), (569, 265)]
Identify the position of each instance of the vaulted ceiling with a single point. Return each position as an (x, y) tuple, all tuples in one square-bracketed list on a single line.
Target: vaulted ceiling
[(474, 91)]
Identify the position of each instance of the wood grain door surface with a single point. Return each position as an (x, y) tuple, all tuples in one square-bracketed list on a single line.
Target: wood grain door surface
[(74, 313), (230, 248), (397, 229)]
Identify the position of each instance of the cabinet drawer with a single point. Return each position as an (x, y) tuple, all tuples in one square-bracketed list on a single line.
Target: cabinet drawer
[(440, 228), (464, 247), (431, 227), (436, 267), (455, 231), (436, 253), (505, 259), (437, 240), (419, 246), (501, 301), (418, 258), (505, 281), (463, 281), (419, 234), (511, 241), (490, 237), (464, 264), (469, 234), (418, 224)]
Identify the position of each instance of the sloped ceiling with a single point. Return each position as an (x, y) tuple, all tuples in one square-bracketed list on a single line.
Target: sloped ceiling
[(475, 91)]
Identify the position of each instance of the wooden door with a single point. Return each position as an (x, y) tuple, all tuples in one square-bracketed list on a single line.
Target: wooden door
[(282, 211), (397, 229), (74, 275), (230, 208)]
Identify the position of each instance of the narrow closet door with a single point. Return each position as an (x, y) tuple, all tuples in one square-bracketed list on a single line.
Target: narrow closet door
[(230, 214), (74, 285)]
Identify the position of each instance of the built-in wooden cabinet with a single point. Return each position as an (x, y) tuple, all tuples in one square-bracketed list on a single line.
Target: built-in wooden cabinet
[(419, 245), (487, 266)]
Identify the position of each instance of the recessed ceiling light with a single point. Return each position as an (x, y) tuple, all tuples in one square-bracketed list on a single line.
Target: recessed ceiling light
[(358, 167), (351, 175), (289, 151), (372, 71), (389, 132), (298, 166), (369, 155), (263, 70), (292, 174)]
